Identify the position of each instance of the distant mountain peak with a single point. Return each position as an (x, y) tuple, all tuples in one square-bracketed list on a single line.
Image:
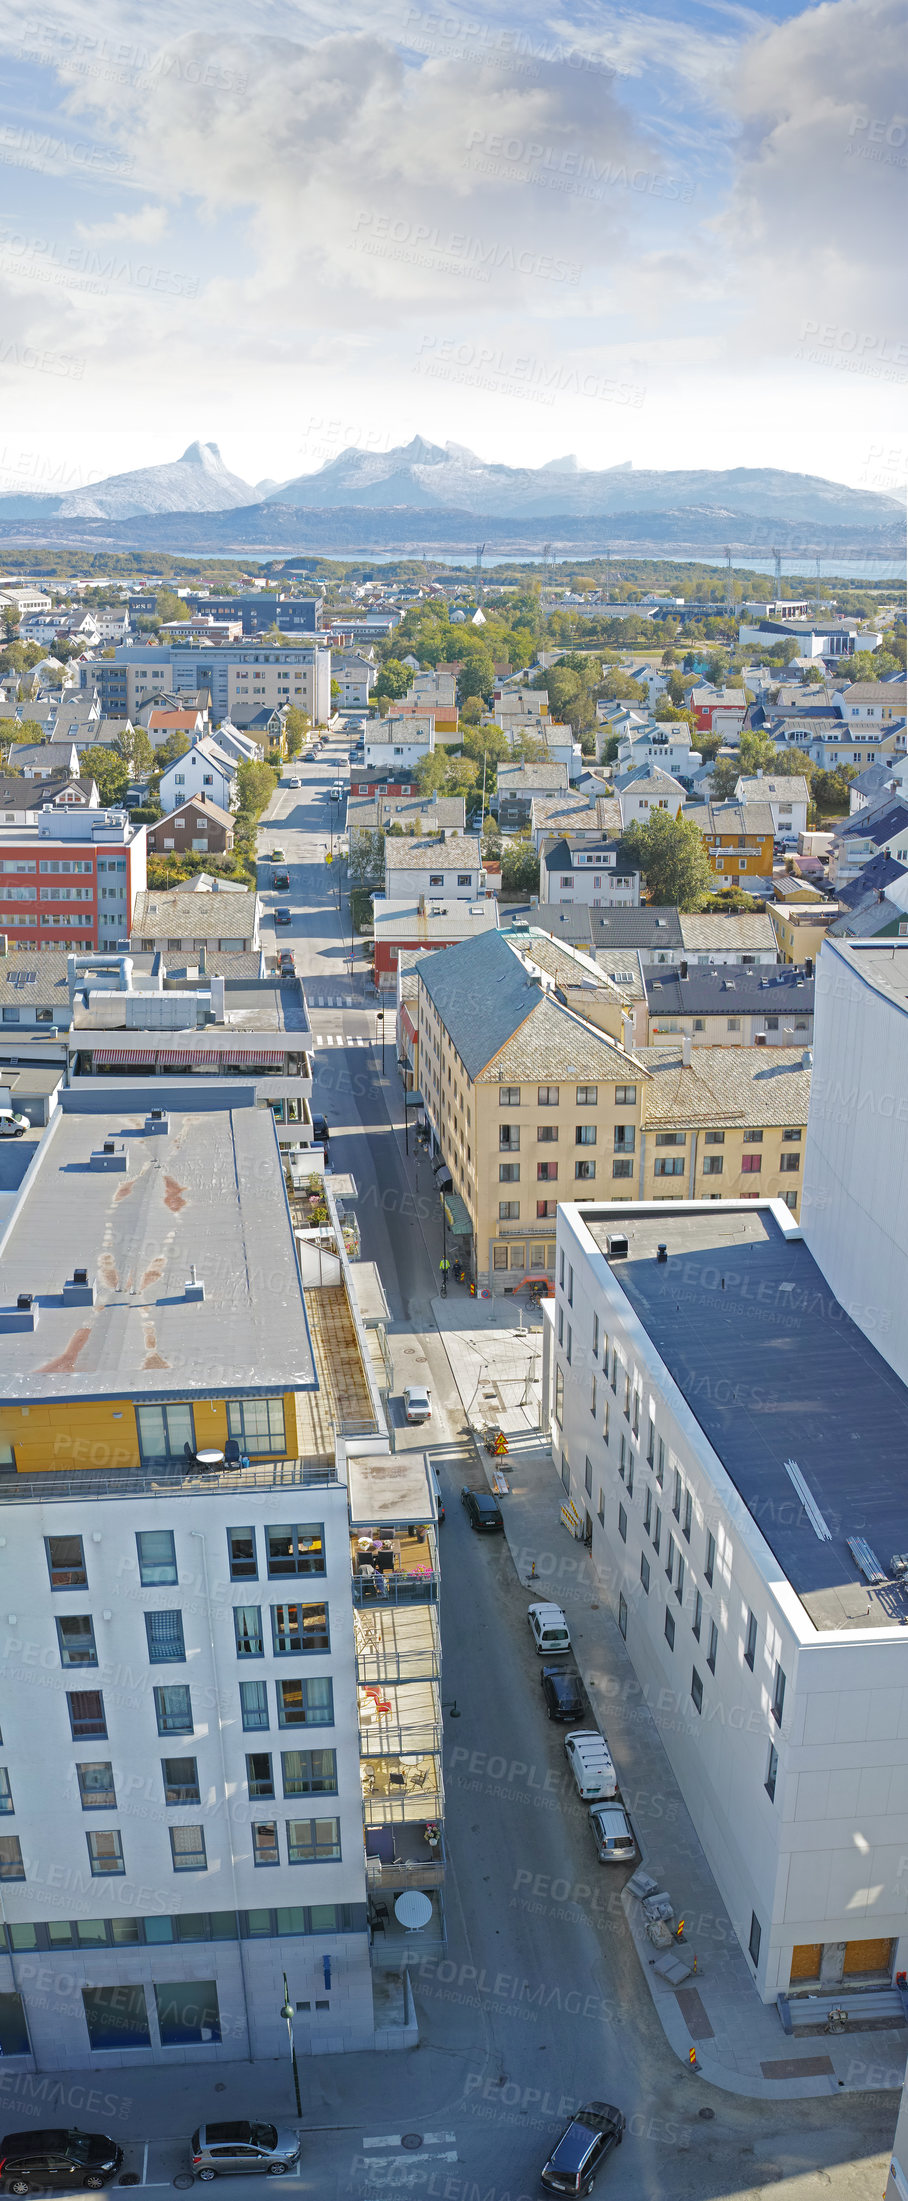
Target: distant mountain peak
[(201, 454)]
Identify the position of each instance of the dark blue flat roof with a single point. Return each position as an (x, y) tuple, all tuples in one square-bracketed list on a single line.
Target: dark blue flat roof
[(774, 1370)]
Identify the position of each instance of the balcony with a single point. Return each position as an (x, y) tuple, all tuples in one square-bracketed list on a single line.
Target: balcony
[(397, 1567), (399, 1857), (397, 1644), (394, 1722), (395, 1946), (402, 1791)]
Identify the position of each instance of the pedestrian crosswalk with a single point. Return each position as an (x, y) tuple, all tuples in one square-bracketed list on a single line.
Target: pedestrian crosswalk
[(340, 1039), (399, 2160), (328, 1000)]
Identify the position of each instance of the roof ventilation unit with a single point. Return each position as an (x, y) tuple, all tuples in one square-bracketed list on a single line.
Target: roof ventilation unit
[(662, 1251), (77, 1291), (158, 1121), (195, 1289), (110, 1156), (617, 1247)]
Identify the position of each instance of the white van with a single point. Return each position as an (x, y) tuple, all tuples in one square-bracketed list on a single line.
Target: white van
[(591, 1763), (12, 1124), (613, 1834), (549, 1629)]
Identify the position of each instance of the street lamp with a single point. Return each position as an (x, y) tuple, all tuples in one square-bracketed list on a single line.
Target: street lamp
[(380, 1020), (287, 2012), (444, 1250)]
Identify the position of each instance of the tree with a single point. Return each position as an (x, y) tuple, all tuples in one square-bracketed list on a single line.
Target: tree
[(477, 674), (716, 669), (367, 857), (667, 713), (168, 752), (671, 853), (677, 687), (296, 727), (393, 680), (618, 687), (26, 729), (255, 786), (829, 790), (519, 866), (462, 775), (486, 744), (431, 772), (168, 605), (109, 771), (137, 751), (472, 711)]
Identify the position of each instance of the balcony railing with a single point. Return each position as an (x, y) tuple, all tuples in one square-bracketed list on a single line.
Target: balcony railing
[(165, 1482), (396, 1589), (406, 1872), (384, 1667), (378, 1739)]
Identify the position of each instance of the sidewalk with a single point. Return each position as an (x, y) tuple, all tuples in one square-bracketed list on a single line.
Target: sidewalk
[(739, 2043)]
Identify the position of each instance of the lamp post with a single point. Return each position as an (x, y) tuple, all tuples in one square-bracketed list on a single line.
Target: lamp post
[(380, 1021), (287, 2012), (444, 1250)]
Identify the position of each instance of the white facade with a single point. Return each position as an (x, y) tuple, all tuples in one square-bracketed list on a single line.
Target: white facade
[(801, 1815), (438, 881), (130, 1921), (855, 1200), (206, 769), (594, 879), (663, 750), (391, 745), (641, 797), (788, 799)]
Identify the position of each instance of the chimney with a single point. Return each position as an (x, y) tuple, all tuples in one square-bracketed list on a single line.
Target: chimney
[(686, 1047), (683, 970), (627, 1032)]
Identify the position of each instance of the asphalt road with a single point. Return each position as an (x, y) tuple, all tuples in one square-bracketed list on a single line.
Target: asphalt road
[(540, 2002)]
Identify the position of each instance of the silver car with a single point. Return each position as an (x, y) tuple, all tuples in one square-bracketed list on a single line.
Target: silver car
[(219, 2150)]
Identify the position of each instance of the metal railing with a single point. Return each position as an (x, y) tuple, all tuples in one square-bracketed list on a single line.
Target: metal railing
[(396, 1589), (379, 1739), (165, 1482), (374, 1664)]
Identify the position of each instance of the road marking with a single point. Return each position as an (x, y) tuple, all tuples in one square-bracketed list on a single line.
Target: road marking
[(340, 1039), (396, 2140), (145, 2165)]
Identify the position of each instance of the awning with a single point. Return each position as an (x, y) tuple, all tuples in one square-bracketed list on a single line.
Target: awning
[(414, 1099), (257, 1058), (107, 1058), (458, 1218)]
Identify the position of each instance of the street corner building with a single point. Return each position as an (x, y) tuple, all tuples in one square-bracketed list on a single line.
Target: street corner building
[(219, 1593)]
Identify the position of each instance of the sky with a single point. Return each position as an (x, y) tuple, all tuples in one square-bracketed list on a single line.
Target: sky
[(670, 234)]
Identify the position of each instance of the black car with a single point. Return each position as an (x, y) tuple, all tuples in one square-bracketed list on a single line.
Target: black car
[(581, 2151), (563, 1693), (281, 881), (480, 1509), (283, 916), (31, 2161), (320, 1130)]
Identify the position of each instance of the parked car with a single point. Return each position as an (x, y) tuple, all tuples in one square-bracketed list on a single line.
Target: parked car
[(549, 1629), (12, 1124), (294, 780), (563, 1693), (615, 1844), (439, 1500), (417, 1403), (218, 2150), (287, 964), (282, 915), (278, 856), (30, 2161), (582, 2149), (481, 1509), (281, 882), (592, 1765)]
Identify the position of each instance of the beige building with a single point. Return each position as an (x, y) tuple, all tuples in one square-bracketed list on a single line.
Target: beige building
[(528, 1103)]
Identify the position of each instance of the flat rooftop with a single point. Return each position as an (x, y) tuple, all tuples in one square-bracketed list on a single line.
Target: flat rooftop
[(774, 1371), (884, 965), (388, 1487), (208, 1192)]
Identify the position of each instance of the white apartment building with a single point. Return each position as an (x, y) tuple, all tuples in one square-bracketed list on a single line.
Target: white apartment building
[(652, 790), (660, 748), (723, 1430), (788, 796), (582, 869), (195, 1779), (205, 769), (396, 741), (447, 865)]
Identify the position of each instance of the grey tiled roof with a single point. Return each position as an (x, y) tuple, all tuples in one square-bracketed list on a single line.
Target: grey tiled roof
[(461, 851), (620, 930), (726, 1085), (500, 1022)]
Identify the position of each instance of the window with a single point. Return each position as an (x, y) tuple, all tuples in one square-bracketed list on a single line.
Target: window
[(657, 1530), (65, 1562), (696, 1690), (11, 1865), (546, 1172), (559, 1394), (188, 2013), (116, 2017), (600, 1510), (187, 1848), (86, 1714), (157, 1557), (296, 1550), (671, 1138), (584, 1171), (585, 1134), (265, 1849), (772, 1772), (241, 1554), (648, 1509), (247, 1625), (712, 1165), (509, 1138), (778, 1695), (181, 1780), (165, 1637), (751, 1164), (669, 1630), (622, 1169), (644, 1571), (509, 1172), (253, 1705), (750, 1646), (6, 1795), (753, 1137), (670, 1559), (105, 1853), (789, 1162), (756, 1936), (509, 1096), (313, 1841), (163, 1433), (296, 1628), (697, 1621), (710, 1567), (714, 1138), (259, 1425), (173, 1709), (713, 1650), (587, 1096), (622, 1524), (593, 1396), (625, 1096), (679, 1578), (96, 1786), (259, 1776), (547, 1096), (622, 1614), (788, 1136), (305, 1703), (676, 1495), (673, 1167), (660, 1462), (595, 1346), (547, 1134), (76, 1637), (791, 1198), (509, 1211), (309, 1772), (688, 1516)]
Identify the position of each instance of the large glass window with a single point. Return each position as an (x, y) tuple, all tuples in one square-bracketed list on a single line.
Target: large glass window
[(309, 1772), (259, 1776), (76, 1637), (157, 1556), (253, 1705), (187, 1845), (259, 1425), (11, 1865), (181, 1780), (313, 1841), (297, 1549), (241, 1554), (173, 1707), (6, 1794), (14, 2040), (305, 1703), (165, 1637), (164, 1434), (188, 2012), (96, 1785), (105, 1853), (65, 1562), (247, 1625), (265, 1849), (86, 1714), (116, 2017), (296, 1628)]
